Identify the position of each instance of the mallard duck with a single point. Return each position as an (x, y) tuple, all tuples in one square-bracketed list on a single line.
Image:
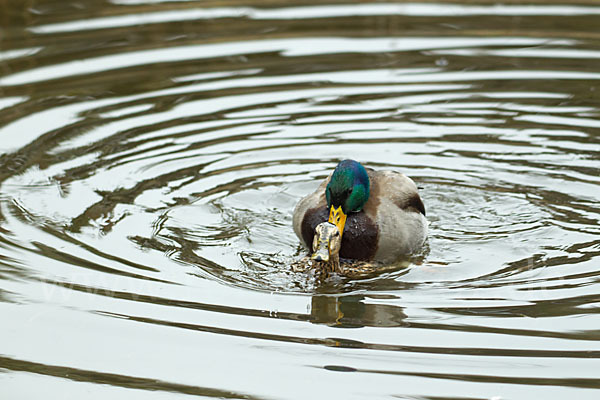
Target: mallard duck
[(378, 215)]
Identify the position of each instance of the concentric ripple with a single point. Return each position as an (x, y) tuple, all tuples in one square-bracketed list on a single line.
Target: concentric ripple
[(153, 152)]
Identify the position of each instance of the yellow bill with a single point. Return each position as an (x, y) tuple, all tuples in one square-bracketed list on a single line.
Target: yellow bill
[(338, 218)]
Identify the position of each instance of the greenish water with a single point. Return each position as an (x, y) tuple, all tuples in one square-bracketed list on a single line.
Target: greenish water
[(152, 152)]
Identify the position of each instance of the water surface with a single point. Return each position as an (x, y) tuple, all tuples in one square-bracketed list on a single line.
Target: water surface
[(153, 152)]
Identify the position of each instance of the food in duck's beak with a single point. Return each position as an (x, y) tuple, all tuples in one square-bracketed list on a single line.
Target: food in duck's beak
[(320, 249), (326, 242)]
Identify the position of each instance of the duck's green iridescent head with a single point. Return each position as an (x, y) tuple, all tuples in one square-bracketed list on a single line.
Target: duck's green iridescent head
[(347, 191)]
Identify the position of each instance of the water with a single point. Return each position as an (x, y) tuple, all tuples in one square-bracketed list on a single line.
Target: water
[(153, 151)]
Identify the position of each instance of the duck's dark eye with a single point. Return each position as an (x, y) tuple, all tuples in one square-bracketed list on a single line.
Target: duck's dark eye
[(349, 192)]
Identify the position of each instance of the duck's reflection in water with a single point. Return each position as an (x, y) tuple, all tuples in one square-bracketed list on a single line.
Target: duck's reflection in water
[(353, 312)]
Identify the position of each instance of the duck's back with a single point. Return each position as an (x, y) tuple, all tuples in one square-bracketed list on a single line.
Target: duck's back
[(391, 224)]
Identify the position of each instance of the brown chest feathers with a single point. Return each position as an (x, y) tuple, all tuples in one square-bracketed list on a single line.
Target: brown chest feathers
[(359, 241)]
